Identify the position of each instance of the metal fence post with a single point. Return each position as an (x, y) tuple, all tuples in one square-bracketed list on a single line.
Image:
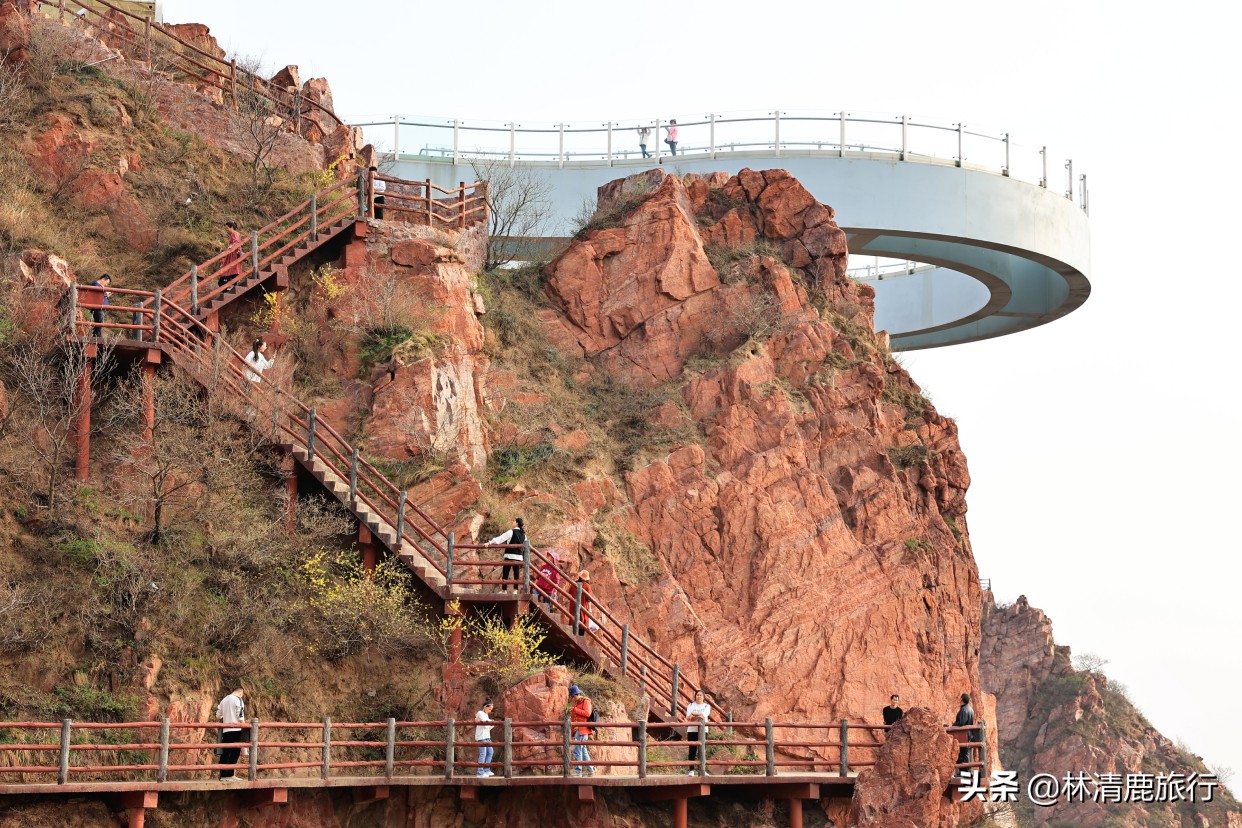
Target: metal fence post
[(577, 625), (155, 316), (711, 135), (390, 748), (777, 144), (456, 142), (960, 135), (254, 749), (1043, 155), (905, 136), (609, 125), (983, 749), (844, 764), (1005, 172), (512, 142), (66, 739), (310, 435), (657, 140), (508, 771), (769, 733), (194, 290), (1069, 178), (642, 750), (327, 749), (565, 748), (526, 566), (450, 749), (254, 252), (161, 775), (314, 216), (401, 519), (1086, 196), (448, 572), (841, 144), (625, 648), (396, 137), (703, 749), (560, 152), (672, 705), (353, 477)]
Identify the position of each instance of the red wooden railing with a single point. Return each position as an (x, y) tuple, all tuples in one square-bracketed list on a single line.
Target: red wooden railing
[(418, 199), (142, 38), (152, 750)]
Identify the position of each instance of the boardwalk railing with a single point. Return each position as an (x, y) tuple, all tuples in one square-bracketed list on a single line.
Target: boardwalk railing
[(418, 200), (144, 39), (716, 136), (95, 753)]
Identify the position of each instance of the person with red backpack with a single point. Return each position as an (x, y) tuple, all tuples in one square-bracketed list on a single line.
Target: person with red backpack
[(582, 715), (548, 580)]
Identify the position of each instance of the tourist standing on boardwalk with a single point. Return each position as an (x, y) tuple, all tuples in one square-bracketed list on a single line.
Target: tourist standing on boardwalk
[(381, 187), (644, 133), (483, 733), (965, 718), (97, 314), (231, 264), (893, 713), (548, 580), (584, 621), (232, 711), (699, 710), (671, 139), (513, 557), (581, 714)]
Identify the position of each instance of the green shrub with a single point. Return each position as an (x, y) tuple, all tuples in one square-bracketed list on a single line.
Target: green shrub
[(378, 345), (909, 456)]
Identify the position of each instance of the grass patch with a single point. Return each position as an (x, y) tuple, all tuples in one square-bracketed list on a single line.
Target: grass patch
[(634, 561), (727, 261), (907, 457)]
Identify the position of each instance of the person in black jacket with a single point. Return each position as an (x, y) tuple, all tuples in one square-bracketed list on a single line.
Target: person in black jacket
[(966, 718), (513, 557), (893, 713)]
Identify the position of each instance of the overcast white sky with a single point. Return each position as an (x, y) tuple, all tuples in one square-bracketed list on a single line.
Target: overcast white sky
[(1101, 446)]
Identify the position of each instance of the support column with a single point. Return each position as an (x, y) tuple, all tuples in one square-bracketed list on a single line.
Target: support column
[(454, 646), (366, 543), (795, 813), (680, 813), (290, 469), (82, 428)]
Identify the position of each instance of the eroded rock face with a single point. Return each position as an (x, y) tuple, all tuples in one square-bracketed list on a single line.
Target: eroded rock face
[(14, 34), (1055, 719)]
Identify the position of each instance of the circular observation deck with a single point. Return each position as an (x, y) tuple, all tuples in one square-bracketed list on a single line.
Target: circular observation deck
[(986, 244)]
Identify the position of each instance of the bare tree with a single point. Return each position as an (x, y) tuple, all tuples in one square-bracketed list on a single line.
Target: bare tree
[(519, 203), (260, 124), (49, 401)]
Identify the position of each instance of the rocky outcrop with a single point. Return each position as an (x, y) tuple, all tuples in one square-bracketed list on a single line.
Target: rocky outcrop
[(1057, 720), (907, 787), (814, 536), (14, 34)]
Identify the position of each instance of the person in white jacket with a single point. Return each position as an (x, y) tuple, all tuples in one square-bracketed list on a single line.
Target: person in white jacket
[(483, 733), (513, 557), (697, 710), (232, 711)]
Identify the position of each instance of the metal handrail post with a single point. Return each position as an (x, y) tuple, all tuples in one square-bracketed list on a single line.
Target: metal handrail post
[(609, 125), (161, 775), (326, 770), (1043, 154), (841, 145), (769, 748), (310, 435), (456, 142), (66, 741), (390, 748), (448, 571), (711, 135), (1069, 177), (960, 137), (396, 137), (560, 152), (905, 136), (254, 749), (777, 144), (657, 141), (1005, 172), (512, 142), (844, 763)]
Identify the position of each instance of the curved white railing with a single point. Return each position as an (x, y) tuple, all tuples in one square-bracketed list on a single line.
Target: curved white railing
[(775, 132)]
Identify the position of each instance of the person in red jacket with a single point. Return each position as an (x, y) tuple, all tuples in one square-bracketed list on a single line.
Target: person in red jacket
[(580, 714), (548, 580)]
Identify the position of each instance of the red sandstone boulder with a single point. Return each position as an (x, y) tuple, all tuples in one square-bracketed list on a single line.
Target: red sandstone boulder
[(59, 154), (905, 788), (317, 123), (287, 78), (544, 697), (198, 35), (99, 191)]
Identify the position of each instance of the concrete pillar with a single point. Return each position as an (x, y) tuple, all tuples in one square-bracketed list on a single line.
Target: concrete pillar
[(454, 647), (795, 813), (82, 428)]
